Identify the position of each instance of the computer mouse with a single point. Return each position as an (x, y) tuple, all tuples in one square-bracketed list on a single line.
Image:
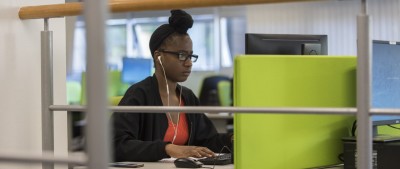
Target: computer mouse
[(187, 163)]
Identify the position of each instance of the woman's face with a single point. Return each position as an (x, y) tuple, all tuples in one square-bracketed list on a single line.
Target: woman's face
[(176, 70)]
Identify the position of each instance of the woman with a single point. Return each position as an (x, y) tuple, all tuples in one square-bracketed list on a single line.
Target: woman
[(153, 136)]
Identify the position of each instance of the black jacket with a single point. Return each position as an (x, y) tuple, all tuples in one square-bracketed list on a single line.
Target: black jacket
[(139, 136)]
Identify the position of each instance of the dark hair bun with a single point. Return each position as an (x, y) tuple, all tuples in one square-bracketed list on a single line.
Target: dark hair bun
[(180, 20)]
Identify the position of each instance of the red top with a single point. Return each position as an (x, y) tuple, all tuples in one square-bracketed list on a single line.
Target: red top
[(182, 134)]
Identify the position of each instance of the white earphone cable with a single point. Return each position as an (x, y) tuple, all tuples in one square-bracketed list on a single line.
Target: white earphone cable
[(180, 97), (177, 123)]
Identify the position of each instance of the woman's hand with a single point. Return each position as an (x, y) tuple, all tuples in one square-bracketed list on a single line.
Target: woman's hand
[(178, 151)]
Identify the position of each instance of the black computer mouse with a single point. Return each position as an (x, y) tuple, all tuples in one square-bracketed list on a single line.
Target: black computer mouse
[(187, 163)]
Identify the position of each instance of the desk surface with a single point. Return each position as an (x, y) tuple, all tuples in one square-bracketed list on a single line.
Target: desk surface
[(163, 165)]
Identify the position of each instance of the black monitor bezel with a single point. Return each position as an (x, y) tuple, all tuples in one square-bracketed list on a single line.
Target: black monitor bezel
[(252, 38)]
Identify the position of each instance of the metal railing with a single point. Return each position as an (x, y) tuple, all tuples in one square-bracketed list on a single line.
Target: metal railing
[(116, 6)]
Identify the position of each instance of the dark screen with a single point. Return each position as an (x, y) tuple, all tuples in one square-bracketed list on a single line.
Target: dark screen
[(286, 44)]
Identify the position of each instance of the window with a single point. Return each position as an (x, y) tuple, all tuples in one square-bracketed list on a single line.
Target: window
[(202, 34), (232, 39), (216, 40), (116, 45)]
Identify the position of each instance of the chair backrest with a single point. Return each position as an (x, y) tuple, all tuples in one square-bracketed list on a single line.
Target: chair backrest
[(224, 93), (209, 90)]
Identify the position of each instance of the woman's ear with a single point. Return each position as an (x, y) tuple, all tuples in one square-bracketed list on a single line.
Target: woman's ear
[(156, 54)]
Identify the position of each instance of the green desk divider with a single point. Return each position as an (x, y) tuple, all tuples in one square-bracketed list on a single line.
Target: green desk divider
[(287, 141), (115, 87)]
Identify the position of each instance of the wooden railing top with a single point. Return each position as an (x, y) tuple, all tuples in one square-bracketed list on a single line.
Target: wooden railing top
[(75, 8)]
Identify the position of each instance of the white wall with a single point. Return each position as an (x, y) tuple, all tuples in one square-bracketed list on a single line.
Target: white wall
[(385, 16), (20, 122), (337, 19)]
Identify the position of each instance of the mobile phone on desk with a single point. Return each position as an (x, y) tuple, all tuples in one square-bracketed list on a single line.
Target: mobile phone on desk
[(126, 164)]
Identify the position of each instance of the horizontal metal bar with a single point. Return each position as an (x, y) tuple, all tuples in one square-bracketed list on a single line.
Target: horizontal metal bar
[(385, 112), (212, 109), (46, 157), (67, 108), (217, 109)]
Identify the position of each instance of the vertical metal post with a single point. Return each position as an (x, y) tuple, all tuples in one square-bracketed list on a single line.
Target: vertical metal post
[(364, 127), (218, 40), (47, 91), (97, 130)]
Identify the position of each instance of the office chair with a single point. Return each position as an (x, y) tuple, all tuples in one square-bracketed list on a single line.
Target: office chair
[(224, 93), (209, 90)]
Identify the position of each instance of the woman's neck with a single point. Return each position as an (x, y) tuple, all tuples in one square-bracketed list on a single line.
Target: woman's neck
[(162, 85)]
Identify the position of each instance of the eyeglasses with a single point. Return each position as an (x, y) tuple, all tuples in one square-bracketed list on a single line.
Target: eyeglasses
[(182, 56)]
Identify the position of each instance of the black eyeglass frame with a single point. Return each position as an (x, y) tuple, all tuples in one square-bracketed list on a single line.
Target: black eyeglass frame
[(182, 56)]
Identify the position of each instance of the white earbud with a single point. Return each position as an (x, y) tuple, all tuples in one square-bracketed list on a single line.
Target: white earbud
[(159, 59), (165, 76)]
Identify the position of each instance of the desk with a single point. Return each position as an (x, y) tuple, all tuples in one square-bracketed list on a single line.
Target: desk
[(164, 165), (170, 165)]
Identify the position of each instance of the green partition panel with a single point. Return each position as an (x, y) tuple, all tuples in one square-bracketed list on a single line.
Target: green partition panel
[(73, 92), (115, 87), (280, 141)]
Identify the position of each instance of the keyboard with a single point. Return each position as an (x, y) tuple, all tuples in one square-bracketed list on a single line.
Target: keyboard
[(376, 139), (386, 138), (222, 159)]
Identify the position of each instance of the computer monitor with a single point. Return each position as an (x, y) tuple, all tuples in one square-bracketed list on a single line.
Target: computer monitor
[(286, 44), (135, 69), (385, 80)]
